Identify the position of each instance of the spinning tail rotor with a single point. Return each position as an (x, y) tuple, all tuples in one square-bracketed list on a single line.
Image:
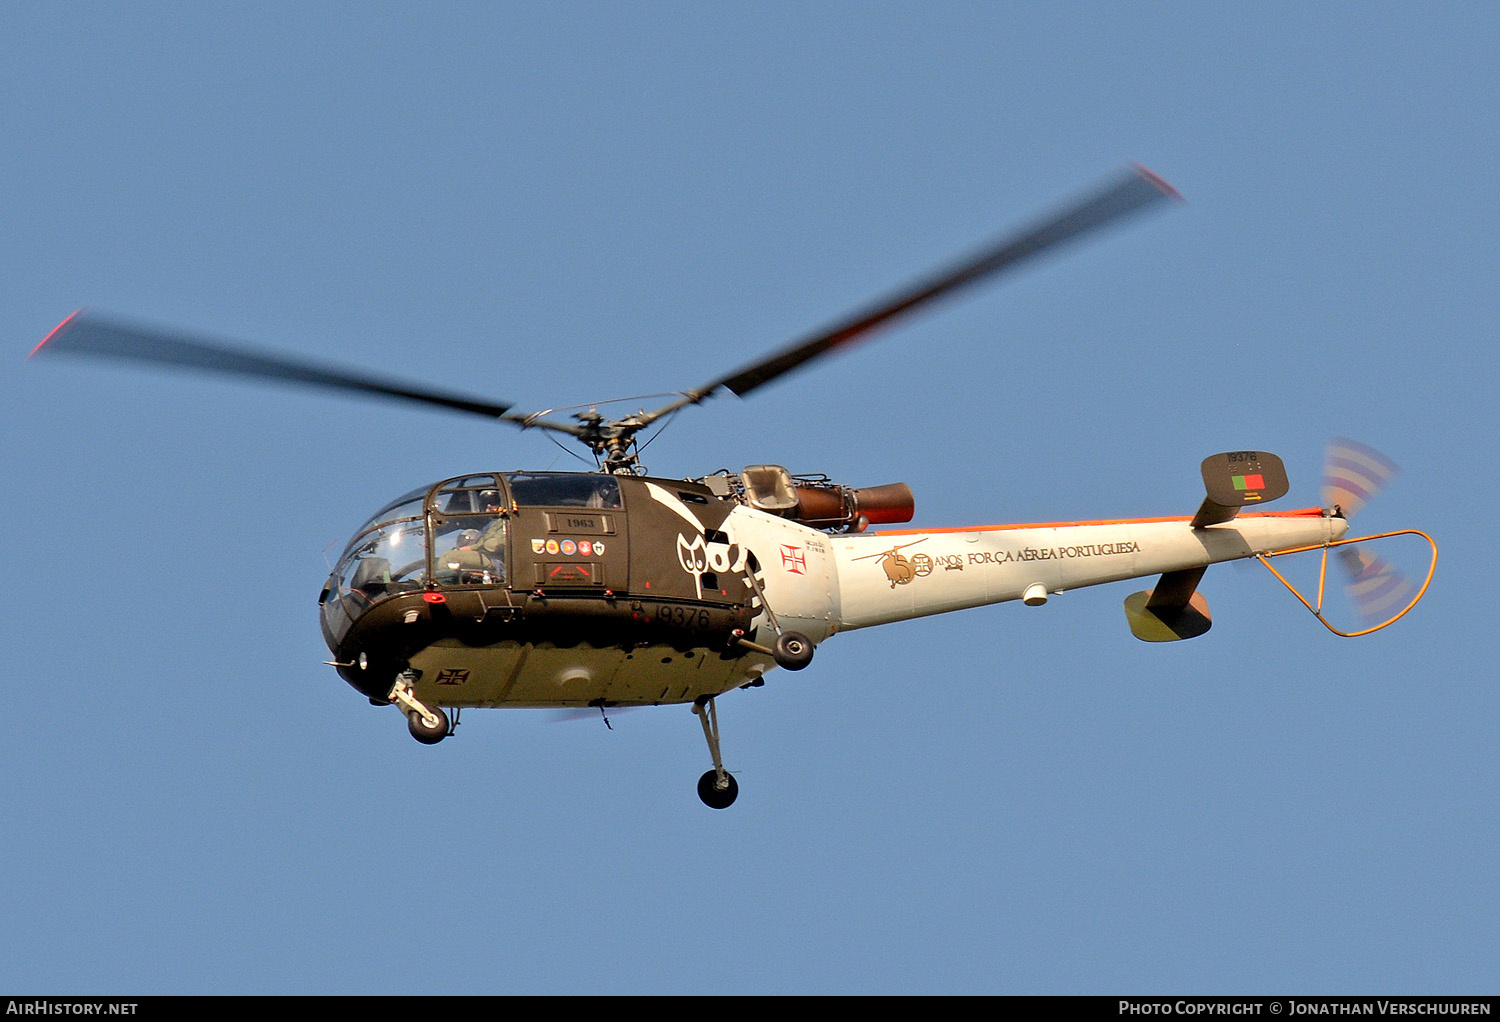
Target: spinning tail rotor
[(1376, 589), (1353, 475), (1381, 595)]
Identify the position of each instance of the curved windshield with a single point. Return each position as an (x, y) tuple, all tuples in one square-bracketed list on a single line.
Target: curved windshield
[(408, 505), (461, 522), (388, 559)]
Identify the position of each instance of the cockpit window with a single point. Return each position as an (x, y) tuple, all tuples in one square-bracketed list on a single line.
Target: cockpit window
[(407, 505), (470, 550), (469, 495), (564, 489), (384, 561), (460, 522)]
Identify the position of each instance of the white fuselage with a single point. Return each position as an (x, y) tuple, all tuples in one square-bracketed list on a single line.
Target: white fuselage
[(820, 584)]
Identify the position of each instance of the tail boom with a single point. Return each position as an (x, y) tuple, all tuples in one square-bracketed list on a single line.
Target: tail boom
[(892, 576)]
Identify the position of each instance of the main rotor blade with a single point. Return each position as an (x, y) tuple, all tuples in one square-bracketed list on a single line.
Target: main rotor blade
[(1138, 189), (87, 334)]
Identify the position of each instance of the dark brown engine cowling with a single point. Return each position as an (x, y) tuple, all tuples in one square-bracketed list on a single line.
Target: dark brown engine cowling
[(885, 505), (827, 507)]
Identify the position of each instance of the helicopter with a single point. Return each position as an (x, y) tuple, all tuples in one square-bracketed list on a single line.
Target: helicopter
[(615, 588)]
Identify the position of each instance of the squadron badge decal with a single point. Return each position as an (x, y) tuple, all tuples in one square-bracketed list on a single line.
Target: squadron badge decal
[(901, 570)]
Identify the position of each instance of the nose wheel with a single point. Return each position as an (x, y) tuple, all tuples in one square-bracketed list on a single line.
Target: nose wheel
[(428, 724), (429, 729), (717, 788)]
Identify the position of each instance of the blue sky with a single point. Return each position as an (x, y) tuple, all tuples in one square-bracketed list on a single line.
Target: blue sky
[(571, 202)]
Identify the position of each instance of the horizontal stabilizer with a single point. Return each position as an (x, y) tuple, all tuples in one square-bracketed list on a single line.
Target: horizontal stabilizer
[(1235, 479), (1173, 610)]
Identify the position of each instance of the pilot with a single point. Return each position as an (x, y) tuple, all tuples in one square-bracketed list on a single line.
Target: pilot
[(491, 543), (477, 558)]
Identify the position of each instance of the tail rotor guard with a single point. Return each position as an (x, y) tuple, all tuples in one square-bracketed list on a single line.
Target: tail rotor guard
[(1317, 606)]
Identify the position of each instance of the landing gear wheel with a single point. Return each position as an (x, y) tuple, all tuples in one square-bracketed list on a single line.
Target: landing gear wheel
[(424, 732), (792, 650), (714, 796)]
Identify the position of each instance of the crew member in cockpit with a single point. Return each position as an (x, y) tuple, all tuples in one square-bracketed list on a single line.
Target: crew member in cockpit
[(478, 558)]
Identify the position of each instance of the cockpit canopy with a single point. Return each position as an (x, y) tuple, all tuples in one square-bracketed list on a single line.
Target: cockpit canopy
[(453, 533)]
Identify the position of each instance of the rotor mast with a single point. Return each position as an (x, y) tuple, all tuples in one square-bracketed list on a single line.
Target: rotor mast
[(612, 441)]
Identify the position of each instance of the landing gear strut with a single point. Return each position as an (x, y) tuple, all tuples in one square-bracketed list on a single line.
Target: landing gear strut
[(717, 788), (792, 651), (428, 724)]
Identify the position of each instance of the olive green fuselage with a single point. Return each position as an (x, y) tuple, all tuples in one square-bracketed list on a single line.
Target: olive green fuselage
[(548, 589)]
